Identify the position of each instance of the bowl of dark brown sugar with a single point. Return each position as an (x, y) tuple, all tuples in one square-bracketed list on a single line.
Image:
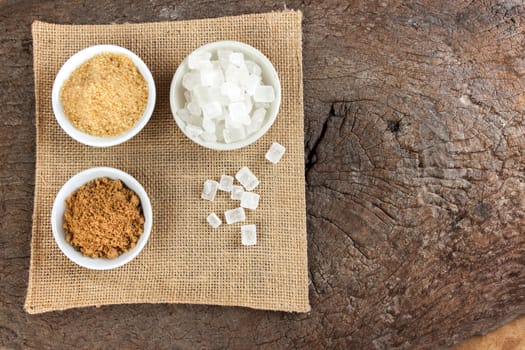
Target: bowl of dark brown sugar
[(101, 218)]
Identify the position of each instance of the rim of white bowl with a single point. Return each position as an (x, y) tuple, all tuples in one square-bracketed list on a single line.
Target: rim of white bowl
[(57, 217), (177, 92), (73, 63)]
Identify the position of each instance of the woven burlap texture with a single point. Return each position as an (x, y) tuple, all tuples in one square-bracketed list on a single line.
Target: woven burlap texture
[(184, 261)]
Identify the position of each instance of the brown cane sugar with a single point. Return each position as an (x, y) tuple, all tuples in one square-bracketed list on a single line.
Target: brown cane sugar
[(105, 96), (103, 218)]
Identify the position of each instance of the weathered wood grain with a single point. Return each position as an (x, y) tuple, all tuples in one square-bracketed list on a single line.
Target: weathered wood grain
[(415, 180)]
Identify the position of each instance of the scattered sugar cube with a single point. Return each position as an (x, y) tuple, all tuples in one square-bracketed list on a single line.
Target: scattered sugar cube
[(275, 153), (209, 190), (250, 200), (233, 134), (214, 220), (234, 215), (226, 183), (193, 131), (264, 93), (248, 235), (247, 178), (237, 192)]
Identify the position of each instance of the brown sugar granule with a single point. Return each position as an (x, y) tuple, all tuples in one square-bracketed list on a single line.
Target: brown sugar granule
[(103, 218), (105, 96)]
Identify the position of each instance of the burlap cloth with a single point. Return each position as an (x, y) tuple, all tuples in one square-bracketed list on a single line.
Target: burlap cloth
[(184, 261)]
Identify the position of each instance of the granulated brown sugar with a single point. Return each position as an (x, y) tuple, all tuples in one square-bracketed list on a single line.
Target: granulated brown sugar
[(103, 218), (105, 96)]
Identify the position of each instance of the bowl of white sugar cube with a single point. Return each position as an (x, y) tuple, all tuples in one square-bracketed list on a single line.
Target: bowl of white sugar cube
[(225, 95)]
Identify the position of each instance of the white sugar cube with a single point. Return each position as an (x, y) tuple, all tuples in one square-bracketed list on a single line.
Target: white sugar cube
[(209, 190), (248, 235), (189, 118), (264, 93), (236, 74), (226, 183), (224, 57), (194, 108), (207, 77), (247, 178), (212, 109), (238, 114), (234, 215), (209, 125), (253, 67), (232, 91), (237, 59), (250, 200), (257, 120), (193, 131), (195, 61), (183, 114), (211, 76), (275, 153), (251, 84), (214, 220), (208, 137), (233, 134), (190, 80), (248, 103), (232, 74), (219, 130), (243, 74), (216, 95), (261, 105), (201, 95), (237, 192)]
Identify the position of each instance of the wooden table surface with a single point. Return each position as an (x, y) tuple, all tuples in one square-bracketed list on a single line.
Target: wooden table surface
[(414, 118)]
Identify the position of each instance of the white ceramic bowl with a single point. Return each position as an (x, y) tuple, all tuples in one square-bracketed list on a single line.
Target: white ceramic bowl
[(73, 63), (59, 207), (269, 77)]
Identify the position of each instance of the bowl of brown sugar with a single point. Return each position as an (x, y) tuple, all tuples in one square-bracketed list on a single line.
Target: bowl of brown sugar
[(101, 218), (103, 95)]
